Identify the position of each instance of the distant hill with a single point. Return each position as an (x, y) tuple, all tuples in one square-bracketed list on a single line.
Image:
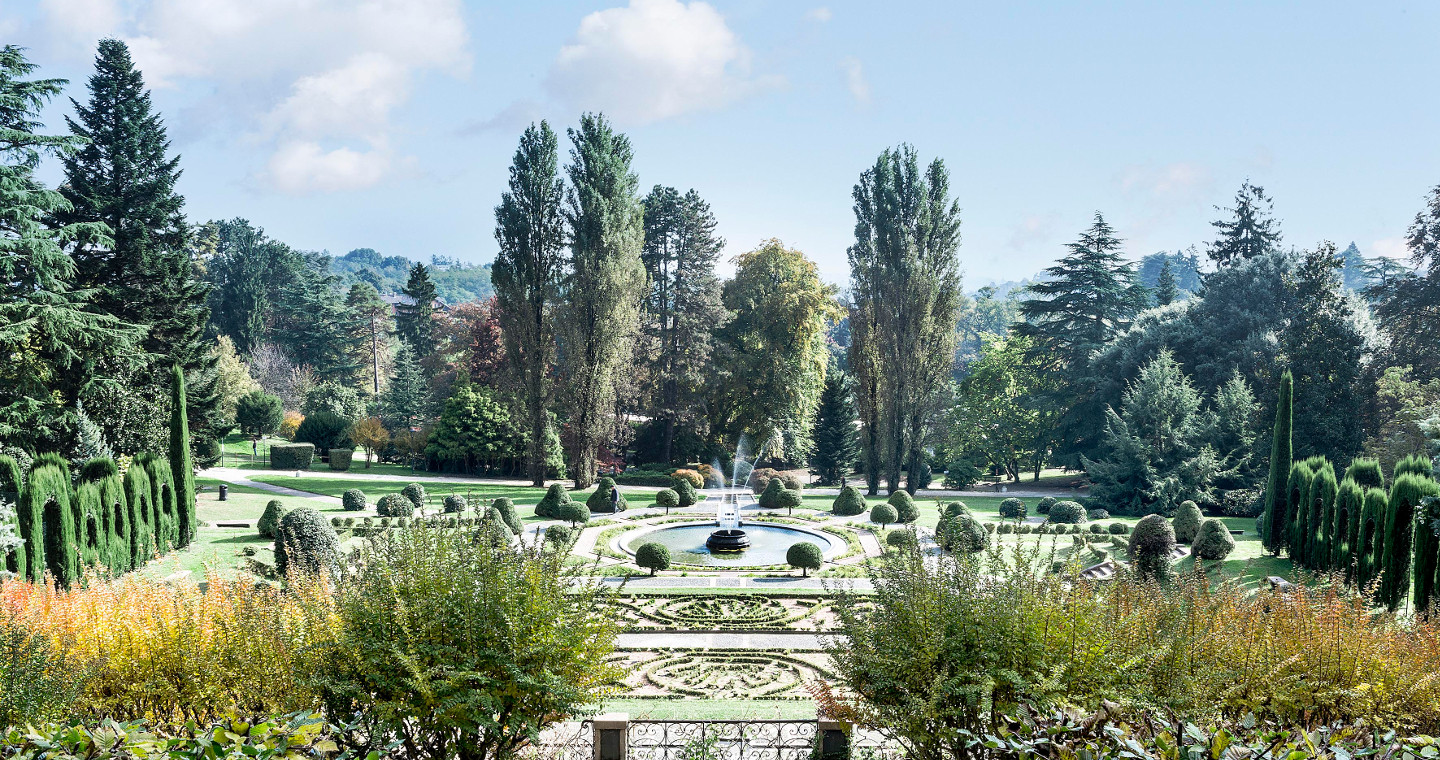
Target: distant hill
[(455, 281)]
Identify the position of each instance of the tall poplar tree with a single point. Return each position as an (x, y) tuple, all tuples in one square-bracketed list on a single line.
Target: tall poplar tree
[(905, 270), (146, 275), (530, 230), (683, 307), (600, 310)]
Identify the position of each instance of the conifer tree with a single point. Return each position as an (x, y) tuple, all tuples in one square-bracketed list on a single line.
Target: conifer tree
[(1165, 289), (1344, 530), (414, 318), (835, 442), (530, 230), (599, 316), (180, 466), (402, 406), (1251, 230), (1321, 504), (1275, 519), (1371, 548), (1297, 490), (372, 325), (1406, 495)]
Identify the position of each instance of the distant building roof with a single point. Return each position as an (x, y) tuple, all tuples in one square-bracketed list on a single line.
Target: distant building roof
[(400, 298)]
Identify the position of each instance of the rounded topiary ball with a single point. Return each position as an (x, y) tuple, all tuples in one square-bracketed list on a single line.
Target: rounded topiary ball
[(600, 500), (394, 505), (353, 500), (1067, 512), (574, 513), (901, 539), (555, 496), (652, 557), (954, 509), (1187, 521), (269, 521), (1150, 546), (883, 514), (1005, 528), (849, 503), (904, 504), (415, 493), (963, 534), (1097, 528), (558, 535), (667, 499), (1213, 540), (1119, 529), (1098, 514), (1012, 509), (806, 556), (305, 542), (455, 504), (1043, 506)]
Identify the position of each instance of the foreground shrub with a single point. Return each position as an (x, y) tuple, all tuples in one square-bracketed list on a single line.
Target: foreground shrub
[(1012, 509), (652, 557), (37, 683), (1213, 540), (555, 496), (305, 542), (353, 500), (849, 503), (394, 505), (461, 648), (298, 735), (270, 519), (1067, 513)]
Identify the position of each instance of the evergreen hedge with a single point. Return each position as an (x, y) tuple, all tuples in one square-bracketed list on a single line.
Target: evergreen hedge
[(11, 484), (555, 496), (353, 500), (849, 503), (1415, 464), (1297, 487), (1213, 540), (1150, 546), (394, 505), (1366, 473), (182, 469), (506, 508), (1344, 529), (1067, 513), (1320, 502), (1426, 548), (90, 531), (340, 459), (294, 456), (415, 493), (140, 505), (163, 497), (1274, 520), (117, 523), (904, 504), (305, 541), (1368, 554), (269, 521), (600, 500), (1043, 506), (1012, 509), (686, 491), (1405, 495), (453, 504), (49, 524)]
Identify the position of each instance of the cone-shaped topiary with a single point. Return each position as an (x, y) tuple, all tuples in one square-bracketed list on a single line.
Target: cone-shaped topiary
[(1345, 528), (1012, 509), (270, 519), (904, 504), (395, 505), (652, 557), (685, 491), (11, 484), (353, 500), (1426, 551), (141, 514), (603, 501), (1067, 513), (305, 542), (416, 494), (1297, 487), (1321, 503), (1370, 548), (1406, 494), (1213, 540), (770, 497), (1366, 473), (182, 471), (883, 513), (667, 499), (506, 508), (1150, 546), (1187, 521), (555, 497), (806, 556), (1274, 520), (849, 503)]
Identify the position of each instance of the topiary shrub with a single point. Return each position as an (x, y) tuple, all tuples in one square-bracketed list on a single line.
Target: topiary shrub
[(1150, 546), (806, 556), (760, 478), (791, 482), (555, 497), (695, 479), (557, 536), (1187, 521), (1213, 540), (901, 539), (904, 504), (1043, 506), (770, 497), (849, 503), (963, 534), (574, 513), (294, 456), (685, 492), (1005, 528), (1012, 509), (270, 519), (506, 508), (667, 499), (454, 504), (415, 493), (1098, 514), (353, 500), (600, 500), (652, 557), (1119, 529), (1097, 528), (305, 542), (1067, 513), (394, 505), (883, 514), (340, 459)]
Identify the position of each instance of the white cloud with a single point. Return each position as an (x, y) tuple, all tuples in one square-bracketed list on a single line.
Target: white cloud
[(78, 24), (314, 82), (1033, 231), (819, 15), (652, 60), (855, 80), (1177, 182), (1393, 247)]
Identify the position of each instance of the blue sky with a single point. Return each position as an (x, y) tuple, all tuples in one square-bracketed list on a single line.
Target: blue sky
[(390, 123)]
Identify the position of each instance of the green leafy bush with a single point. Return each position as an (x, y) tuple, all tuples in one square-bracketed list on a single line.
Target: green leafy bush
[(295, 456), (340, 459), (652, 557), (305, 542), (686, 492), (270, 519), (1187, 521), (555, 496), (40, 684), (1118, 529), (667, 499), (901, 539), (1150, 546), (1005, 529), (904, 504), (326, 430), (1213, 540), (558, 536), (353, 500), (1067, 513), (954, 508), (600, 500), (1043, 506), (454, 504), (805, 556), (394, 505), (1098, 514), (1012, 509), (883, 514), (258, 413), (506, 508), (415, 493), (849, 503)]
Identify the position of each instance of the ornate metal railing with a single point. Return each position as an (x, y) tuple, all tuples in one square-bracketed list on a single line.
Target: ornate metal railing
[(721, 739)]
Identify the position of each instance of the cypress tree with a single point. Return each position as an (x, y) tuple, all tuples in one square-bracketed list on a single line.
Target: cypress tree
[(1366, 473), (163, 503), (11, 485), (1415, 464), (1349, 503), (1322, 508), (49, 525), (1276, 516), (138, 504), (1297, 488), (116, 521), (1426, 549), (90, 532), (180, 468), (1405, 496), (1368, 555)]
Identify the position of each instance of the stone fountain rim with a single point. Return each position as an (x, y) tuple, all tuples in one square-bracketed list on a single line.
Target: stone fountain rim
[(620, 542)]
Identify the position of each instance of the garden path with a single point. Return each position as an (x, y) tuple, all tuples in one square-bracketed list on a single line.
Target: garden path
[(238, 478), (793, 641)]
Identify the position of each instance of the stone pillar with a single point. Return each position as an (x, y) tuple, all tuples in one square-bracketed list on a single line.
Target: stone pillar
[(609, 736), (834, 736)]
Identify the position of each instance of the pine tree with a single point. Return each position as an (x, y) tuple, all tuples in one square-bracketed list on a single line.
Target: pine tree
[(599, 316), (146, 275), (835, 442), (1406, 299), (1251, 230), (52, 339), (372, 326), (683, 308), (1165, 289), (89, 438), (402, 406), (1326, 343), (414, 317), (530, 230), (180, 464), (1275, 520)]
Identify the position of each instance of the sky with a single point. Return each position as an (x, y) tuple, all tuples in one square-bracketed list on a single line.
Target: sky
[(390, 124)]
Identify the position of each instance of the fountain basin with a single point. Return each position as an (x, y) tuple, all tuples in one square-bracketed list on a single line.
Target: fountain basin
[(768, 543), (728, 540)]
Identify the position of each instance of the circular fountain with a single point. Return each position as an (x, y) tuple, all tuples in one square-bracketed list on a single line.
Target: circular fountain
[(729, 537)]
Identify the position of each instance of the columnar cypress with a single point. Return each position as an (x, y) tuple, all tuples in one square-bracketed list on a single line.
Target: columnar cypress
[(116, 515), (1322, 515), (1275, 519), (1349, 503), (90, 532), (11, 485), (1297, 487), (162, 492), (1366, 473), (180, 467), (50, 525), (1415, 464), (1405, 496), (1371, 546), (1426, 549), (139, 503)]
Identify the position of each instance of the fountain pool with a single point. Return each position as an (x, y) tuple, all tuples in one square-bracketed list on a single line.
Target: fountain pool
[(768, 543)]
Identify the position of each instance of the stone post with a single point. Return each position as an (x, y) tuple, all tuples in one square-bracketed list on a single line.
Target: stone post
[(834, 738), (609, 735)]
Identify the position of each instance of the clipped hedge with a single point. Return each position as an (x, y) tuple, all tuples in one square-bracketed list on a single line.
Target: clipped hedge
[(415, 493), (1043, 506), (1213, 540), (686, 492), (600, 500), (1013, 509), (1187, 521), (293, 456), (506, 508), (269, 521), (849, 503), (340, 459), (1150, 546), (454, 504), (555, 497)]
